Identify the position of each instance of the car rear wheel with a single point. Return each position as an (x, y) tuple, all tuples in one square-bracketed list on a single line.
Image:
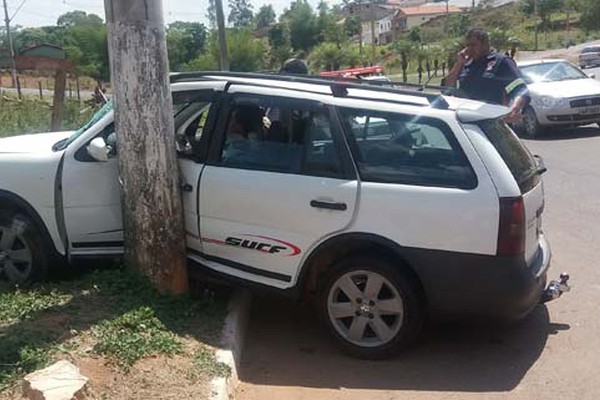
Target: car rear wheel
[(530, 126), (22, 256), (371, 308)]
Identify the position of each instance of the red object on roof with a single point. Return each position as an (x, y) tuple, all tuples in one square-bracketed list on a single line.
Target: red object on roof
[(344, 73)]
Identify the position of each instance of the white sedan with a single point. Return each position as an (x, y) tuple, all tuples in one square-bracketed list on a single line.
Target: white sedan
[(561, 95)]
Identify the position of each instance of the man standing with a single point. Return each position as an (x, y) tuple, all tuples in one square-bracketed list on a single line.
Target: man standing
[(485, 75)]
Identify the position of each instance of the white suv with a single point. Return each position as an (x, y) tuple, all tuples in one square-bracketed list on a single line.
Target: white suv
[(384, 205)]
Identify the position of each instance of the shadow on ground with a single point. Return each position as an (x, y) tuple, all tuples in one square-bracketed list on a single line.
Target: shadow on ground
[(287, 347)]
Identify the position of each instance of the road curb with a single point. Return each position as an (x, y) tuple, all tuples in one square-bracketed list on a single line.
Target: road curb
[(232, 344)]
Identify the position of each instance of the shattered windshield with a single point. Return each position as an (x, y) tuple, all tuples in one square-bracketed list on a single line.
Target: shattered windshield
[(101, 113)]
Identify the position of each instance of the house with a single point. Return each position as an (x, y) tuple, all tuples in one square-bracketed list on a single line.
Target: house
[(411, 17), (381, 16)]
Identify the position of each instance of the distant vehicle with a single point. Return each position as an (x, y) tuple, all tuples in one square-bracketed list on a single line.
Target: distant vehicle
[(561, 95), (589, 57)]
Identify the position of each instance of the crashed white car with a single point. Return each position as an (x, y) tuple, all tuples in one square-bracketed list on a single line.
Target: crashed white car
[(562, 95), (384, 205)]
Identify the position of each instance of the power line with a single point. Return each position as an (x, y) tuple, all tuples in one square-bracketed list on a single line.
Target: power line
[(18, 9)]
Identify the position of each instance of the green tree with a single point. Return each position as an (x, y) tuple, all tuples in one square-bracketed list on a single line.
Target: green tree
[(279, 42), (302, 25), (415, 35), (545, 9), (185, 42), (246, 53), (459, 24), (27, 37), (590, 17), (406, 51), (499, 39), (84, 38), (240, 15), (78, 18), (352, 26), (265, 16)]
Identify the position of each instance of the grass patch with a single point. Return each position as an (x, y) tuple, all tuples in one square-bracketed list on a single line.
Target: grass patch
[(18, 305), (135, 335), (31, 115), (113, 313), (204, 360)]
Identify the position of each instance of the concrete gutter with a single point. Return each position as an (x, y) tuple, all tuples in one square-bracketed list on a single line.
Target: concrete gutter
[(232, 344)]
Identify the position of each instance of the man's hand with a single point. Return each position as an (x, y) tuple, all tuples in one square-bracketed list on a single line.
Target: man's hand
[(459, 62), (513, 116), (461, 58)]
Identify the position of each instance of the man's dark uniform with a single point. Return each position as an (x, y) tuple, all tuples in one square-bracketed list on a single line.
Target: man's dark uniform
[(492, 79)]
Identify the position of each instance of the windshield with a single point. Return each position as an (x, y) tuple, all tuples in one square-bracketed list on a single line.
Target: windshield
[(590, 50), (63, 144), (551, 72)]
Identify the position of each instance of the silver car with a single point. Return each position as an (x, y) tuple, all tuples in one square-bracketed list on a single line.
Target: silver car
[(561, 95), (589, 57)]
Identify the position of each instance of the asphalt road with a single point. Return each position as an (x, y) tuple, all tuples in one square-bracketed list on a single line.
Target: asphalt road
[(553, 354)]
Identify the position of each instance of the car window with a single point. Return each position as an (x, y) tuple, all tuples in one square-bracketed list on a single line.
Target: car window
[(550, 72), (518, 159), (191, 111), (396, 148), (280, 135)]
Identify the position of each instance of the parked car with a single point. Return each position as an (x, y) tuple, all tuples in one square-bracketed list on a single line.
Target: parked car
[(383, 205), (562, 95), (589, 57)]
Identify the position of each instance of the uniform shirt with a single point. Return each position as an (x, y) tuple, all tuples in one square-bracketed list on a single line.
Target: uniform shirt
[(492, 79)]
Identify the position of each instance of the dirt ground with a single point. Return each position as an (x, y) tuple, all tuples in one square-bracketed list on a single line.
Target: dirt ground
[(570, 54)]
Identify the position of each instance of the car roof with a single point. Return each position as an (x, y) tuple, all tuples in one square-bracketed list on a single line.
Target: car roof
[(407, 94)]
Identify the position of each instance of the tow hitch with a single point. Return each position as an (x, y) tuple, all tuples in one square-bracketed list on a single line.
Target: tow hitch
[(556, 288)]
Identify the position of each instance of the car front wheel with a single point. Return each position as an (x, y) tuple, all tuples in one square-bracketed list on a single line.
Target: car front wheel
[(22, 256), (371, 307), (530, 126)]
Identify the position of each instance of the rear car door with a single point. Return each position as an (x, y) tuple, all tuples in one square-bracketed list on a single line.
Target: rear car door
[(271, 192)]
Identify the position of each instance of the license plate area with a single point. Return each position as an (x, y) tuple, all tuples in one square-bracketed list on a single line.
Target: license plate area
[(591, 110)]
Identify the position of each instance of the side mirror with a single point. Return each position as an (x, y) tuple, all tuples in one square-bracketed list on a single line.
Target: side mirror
[(98, 150), (593, 76)]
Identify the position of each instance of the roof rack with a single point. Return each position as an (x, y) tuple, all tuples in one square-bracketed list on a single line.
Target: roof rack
[(435, 99)]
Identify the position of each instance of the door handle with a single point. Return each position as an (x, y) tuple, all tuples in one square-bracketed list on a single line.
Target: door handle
[(186, 187), (329, 205)]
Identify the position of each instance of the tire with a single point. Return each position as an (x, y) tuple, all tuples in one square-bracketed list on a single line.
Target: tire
[(350, 304), (23, 255), (530, 126)]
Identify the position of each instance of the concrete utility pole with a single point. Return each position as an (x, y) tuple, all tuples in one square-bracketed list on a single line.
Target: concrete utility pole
[(10, 46), (224, 54), (535, 16), (149, 174), (372, 7)]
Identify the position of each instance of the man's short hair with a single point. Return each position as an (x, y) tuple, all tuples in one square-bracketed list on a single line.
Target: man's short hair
[(479, 34), (294, 66)]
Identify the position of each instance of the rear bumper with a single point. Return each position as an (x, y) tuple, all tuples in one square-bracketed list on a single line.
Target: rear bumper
[(482, 286)]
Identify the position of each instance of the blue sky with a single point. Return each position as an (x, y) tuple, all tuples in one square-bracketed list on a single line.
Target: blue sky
[(45, 12)]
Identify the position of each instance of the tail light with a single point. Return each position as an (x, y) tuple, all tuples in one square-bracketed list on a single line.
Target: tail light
[(511, 232)]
